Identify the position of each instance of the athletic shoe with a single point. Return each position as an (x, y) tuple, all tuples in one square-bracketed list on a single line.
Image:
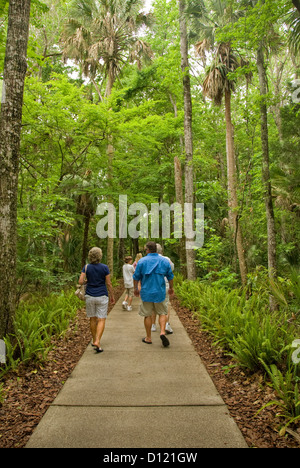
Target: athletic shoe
[(129, 308), (153, 328), (169, 330), (124, 305)]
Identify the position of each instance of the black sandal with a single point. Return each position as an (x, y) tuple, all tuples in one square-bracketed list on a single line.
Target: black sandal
[(147, 342), (165, 341)]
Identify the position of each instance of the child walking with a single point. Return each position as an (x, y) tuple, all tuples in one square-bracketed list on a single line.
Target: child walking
[(128, 271)]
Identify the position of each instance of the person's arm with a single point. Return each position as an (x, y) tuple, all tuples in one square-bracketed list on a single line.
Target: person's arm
[(170, 277), (110, 289), (136, 278), (171, 286), (136, 288), (81, 279)]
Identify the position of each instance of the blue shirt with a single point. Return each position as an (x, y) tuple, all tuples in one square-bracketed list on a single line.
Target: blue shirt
[(151, 271), (96, 274)]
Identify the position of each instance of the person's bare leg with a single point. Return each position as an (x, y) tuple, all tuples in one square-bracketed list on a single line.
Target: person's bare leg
[(148, 324), (162, 323), (93, 326), (99, 331)]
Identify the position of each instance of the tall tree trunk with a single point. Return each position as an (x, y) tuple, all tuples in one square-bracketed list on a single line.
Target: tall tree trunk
[(232, 189), (179, 194), (179, 199), (85, 249), (110, 154), (110, 240), (188, 136), (15, 67), (272, 263)]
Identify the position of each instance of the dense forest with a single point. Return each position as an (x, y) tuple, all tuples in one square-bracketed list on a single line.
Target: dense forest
[(180, 101)]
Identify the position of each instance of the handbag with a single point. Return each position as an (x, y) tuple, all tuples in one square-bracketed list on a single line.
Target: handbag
[(81, 288)]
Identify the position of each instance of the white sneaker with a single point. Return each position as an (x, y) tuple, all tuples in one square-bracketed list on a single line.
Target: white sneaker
[(129, 308), (169, 330), (153, 328), (124, 305)]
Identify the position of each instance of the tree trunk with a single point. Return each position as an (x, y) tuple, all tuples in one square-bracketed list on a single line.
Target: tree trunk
[(232, 189), (272, 263), (15, 67), (188, 136), (179, 199), (179, 195), (296, 3), (85, 249), (110, 154)]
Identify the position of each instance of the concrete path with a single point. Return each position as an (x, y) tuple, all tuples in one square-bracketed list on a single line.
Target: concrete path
[(135, 395)]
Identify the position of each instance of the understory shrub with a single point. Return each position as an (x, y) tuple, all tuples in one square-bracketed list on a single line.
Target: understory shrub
[(37, 320), (247, 330)]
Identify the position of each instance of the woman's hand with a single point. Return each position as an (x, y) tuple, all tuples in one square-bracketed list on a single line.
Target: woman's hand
[(112, 300)]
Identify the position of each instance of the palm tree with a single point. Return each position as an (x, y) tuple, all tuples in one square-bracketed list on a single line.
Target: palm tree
[(294, 23), (102, 37), (217, 85)]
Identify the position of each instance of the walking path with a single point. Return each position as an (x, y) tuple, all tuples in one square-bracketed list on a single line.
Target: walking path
[(135, 395)]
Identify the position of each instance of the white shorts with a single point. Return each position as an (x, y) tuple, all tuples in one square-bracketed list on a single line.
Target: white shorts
[(96, 306)]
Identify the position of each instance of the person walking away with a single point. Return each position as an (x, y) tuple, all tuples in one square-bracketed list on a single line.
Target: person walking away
[(98, 286), (151, 271), (137, 259), (128, 271), (169, 330)]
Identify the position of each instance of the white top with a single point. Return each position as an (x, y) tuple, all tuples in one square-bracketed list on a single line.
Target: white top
[(172, 267), (128, 272)]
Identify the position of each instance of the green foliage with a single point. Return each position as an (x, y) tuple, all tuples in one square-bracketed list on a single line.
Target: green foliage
[(256, 338), (243, 326), (286, 385), (37, 321)]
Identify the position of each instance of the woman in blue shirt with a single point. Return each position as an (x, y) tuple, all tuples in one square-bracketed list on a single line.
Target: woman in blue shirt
[(98, 285)]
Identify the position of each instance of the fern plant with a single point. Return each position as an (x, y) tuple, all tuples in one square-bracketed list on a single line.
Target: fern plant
[(286, 385)]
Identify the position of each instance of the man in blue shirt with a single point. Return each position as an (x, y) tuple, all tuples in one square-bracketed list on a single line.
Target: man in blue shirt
[(151, 271)]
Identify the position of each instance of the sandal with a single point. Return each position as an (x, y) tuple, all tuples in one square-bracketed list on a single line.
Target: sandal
[(147, 342), (165, 341)]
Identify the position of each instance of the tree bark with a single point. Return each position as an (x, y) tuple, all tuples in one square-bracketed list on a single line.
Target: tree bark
[(179, 195), (188, 136), (15, 67), (85, 250), (232, 189), (296, 3), (272, 263)]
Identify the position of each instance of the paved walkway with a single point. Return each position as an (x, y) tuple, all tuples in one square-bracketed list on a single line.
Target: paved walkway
[(135, 395)]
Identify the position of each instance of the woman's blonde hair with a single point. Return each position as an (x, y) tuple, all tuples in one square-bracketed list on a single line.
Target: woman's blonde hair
[(95, 255), (138, 257)]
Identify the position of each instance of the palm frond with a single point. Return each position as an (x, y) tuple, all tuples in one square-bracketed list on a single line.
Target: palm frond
[(294, 32)]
